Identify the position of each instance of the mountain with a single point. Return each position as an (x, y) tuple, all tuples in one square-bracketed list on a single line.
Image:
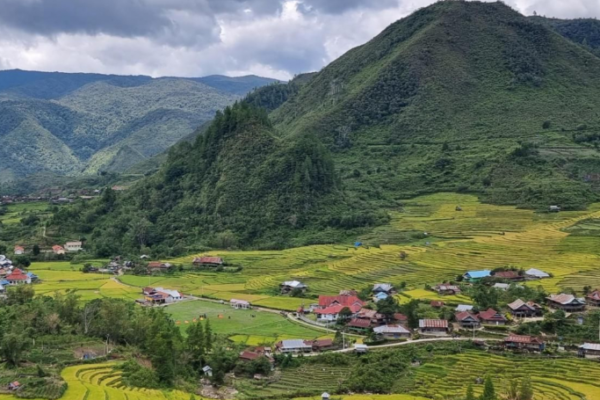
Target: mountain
[(459, 96), (584, 31), (85, 123), (237, 184)]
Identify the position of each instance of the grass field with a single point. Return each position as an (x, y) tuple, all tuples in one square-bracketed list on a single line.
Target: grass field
[(264, 327)]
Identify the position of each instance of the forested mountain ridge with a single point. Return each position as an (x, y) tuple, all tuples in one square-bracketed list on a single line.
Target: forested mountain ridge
[(237, 184), (584, 31), (465, 96), (74, 123)]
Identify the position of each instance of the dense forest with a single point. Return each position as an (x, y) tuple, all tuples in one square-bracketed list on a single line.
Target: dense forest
[(236, 185)]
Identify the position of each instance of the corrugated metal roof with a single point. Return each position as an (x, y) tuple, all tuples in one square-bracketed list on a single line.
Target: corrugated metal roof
[(433, 323), (590, 346), (391, 329), (478, 274)]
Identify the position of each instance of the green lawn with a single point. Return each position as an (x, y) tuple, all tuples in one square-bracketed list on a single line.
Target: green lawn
[(241, 323)]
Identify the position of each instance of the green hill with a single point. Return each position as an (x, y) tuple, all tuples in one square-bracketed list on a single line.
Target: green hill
[(70, 124), (238, 184), (459, 96), (584, 31)]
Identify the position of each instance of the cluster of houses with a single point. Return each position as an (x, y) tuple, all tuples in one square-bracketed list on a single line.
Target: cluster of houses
[(69, 247), (12, 276), (159, 295), (509, 275), (304, 346)]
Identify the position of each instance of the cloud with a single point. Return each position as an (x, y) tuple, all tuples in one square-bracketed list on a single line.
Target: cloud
[(277, 38)]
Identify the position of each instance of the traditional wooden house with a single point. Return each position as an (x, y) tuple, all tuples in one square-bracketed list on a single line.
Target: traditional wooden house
[(289, 286), (566, 302), (589, 350), (158, 266), (239, 304), (519, 342), (437, 304), (446, 289), (593, 298), (321, 344), (467, 320), (392, 332), (492, 317), (519, 308), (509, 275), (436, 327), (208, 261)]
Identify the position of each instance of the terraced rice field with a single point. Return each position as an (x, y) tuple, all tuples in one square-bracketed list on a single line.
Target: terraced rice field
[(15, 212), (320, 378), (553, 379), (481, 236), (60, 277), (101, 381)]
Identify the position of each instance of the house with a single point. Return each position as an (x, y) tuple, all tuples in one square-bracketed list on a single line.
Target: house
[(56, 249), (533, 273), (463, 307), (392, 332), (554, 208), (508, 275), (173, 295), (519, 342), (18, 277), (380, 296), (566, 302), (437, 304), (371, 315), (437, 327), (589, 350), (325, 396), (446, 289), (361, 348), (519, 308), (399, 318), (251, 355), (158, 266), (331, 306), (239, 304), (147, 290), (382, 288), (207, 371), (492, 317), (321, 344), (501, 286), (359, 324), (14, 385), (466, 319), (73, 246), (293, 346), (289, 286), (208, 261), (19, 250), (593, 298), (476, 276)]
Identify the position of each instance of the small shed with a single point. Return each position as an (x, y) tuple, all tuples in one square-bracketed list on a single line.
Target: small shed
[(554, 209), (207, 370), (325, 396), (361, 348)]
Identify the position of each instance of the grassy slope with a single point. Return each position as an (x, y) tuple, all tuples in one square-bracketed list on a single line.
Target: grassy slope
[(478, 77)]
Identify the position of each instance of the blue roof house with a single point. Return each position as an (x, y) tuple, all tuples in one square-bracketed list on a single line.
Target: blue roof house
[(475, 276), (381, 296)]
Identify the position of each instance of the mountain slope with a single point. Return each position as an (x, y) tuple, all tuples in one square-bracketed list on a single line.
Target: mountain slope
[(458, 96), (237, 184), (584, 31), (81, 122)]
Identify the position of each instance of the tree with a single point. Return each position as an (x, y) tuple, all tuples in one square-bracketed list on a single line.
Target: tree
[(12, 348), (470, 394), (36, 250), (388, 307), (345, 314), (22, 261), (208, 336), (20, 295), (195, 344), (489, 393)]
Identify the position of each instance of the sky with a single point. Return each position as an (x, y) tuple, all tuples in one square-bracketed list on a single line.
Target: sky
[(274, 38)]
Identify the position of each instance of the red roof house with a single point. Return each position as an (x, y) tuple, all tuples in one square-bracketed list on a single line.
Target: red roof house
[(344, 300), (208, 261), (467, 320), (18, 277), (509, 275), (519, 342), (433, 327), (56, 249), (437, 304), (492, 317), (594, 298), (359, 323)]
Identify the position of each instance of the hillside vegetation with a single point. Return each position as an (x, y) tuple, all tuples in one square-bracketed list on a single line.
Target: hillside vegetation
[(237, 184), (73, 123), (460, 96)]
